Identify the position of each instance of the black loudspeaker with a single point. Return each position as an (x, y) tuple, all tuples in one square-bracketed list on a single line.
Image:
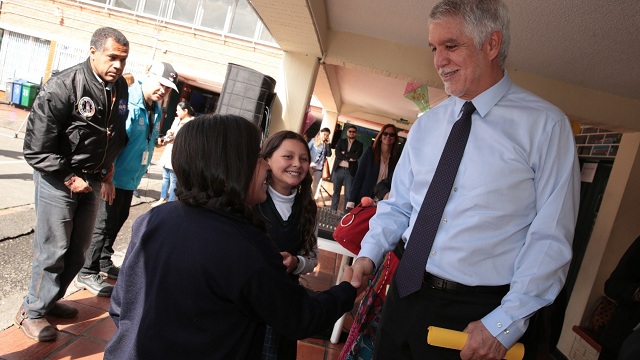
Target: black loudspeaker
[(247, 93)]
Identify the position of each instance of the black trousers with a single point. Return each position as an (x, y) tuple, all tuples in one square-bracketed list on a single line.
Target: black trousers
[(630, 349), (108, 223), (403, 326)]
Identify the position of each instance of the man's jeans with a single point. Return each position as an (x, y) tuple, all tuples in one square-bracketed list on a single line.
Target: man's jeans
[(64, 223), (339, 177), (108, 223)]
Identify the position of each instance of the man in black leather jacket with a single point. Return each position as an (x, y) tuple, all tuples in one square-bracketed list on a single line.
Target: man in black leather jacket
[(75, 130)]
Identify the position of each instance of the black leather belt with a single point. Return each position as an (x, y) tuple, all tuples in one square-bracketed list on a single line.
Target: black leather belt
[(95, 175), (435, 282)]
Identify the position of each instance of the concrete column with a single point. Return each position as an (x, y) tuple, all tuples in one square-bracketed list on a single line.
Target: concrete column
[(329, 120), (293, 88)]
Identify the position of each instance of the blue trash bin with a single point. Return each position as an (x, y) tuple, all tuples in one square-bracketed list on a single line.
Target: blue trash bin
[(16, 95)]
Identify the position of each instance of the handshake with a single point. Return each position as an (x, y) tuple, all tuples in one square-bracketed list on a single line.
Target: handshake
[(359, 274)]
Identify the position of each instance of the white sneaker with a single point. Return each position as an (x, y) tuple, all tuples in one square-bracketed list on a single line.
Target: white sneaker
[(159, 202)]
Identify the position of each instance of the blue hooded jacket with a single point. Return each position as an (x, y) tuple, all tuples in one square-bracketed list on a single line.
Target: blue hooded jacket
[(129, 167)]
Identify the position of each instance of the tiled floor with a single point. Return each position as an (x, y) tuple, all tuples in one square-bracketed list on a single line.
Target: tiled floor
[(86, 336)]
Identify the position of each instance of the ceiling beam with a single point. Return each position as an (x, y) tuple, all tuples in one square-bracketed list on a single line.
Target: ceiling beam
[(326, 89), (292, 25)]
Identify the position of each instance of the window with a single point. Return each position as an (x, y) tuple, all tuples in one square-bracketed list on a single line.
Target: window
[(265, 35), (215, 13), (185, 11), (245, 20), (232, 17), (126, 4), (155, 7)]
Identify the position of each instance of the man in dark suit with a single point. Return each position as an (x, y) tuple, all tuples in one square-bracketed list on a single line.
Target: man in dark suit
[(348, 151)]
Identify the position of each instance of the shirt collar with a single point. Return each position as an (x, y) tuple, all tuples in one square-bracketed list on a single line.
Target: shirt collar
[(488, 98), (106, 84)]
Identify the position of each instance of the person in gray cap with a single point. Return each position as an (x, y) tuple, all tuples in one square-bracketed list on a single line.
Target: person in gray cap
[(143, 125)]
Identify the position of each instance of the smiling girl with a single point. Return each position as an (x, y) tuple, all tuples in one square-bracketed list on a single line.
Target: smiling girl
[(290, 217)]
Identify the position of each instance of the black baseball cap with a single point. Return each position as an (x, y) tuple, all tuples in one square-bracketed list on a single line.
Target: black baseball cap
[(165, 73)]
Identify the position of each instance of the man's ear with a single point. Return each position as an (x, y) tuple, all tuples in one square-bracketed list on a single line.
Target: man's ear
[(92, 52), (493, 44)]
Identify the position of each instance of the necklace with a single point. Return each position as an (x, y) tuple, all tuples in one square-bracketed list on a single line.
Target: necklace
[(384, 158)]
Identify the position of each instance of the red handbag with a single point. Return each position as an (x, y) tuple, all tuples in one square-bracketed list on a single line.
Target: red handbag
[(353, 226)]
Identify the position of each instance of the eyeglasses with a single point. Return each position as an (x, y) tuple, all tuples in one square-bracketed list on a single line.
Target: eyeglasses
[(351, 131), (391, 134)]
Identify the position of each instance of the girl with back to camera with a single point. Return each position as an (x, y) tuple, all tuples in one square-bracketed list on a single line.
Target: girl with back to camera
[(200, 278), (290, 216)]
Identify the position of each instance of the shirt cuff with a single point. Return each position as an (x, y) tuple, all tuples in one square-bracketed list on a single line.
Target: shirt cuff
[(301, 265), (503, 328)]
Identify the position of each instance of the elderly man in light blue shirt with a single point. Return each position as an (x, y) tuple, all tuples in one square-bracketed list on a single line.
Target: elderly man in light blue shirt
[(511, 214)]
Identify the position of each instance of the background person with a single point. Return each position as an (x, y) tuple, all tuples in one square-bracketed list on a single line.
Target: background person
[(630, 349), (320, 149), (502, 245), (348, 151), (290, 216), (131, 164), (204, 267), (67, 183), (377, 163), (185, 113), (623, 287)]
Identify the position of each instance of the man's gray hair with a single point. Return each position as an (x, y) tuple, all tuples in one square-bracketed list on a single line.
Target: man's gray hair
[(480, 18), (100, 36)]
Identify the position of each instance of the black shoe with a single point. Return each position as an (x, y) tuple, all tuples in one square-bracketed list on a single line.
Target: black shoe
[(62, 311), (95, 284), (111, 272)]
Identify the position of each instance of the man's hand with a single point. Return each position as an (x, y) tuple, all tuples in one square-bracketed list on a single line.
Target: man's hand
[(481, 345), (362, 272), (77, 185), (108, 192)]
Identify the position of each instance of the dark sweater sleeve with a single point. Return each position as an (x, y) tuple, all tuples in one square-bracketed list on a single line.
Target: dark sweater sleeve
[(288, 308), (625, 278)]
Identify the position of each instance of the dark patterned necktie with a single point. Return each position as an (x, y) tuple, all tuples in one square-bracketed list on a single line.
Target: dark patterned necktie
[(412, 267)]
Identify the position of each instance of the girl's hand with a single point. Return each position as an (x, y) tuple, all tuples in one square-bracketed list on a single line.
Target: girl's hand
[(290, 261)]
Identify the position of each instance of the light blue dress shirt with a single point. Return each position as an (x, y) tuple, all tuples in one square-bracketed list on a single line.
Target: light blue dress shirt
[(511, 215)]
